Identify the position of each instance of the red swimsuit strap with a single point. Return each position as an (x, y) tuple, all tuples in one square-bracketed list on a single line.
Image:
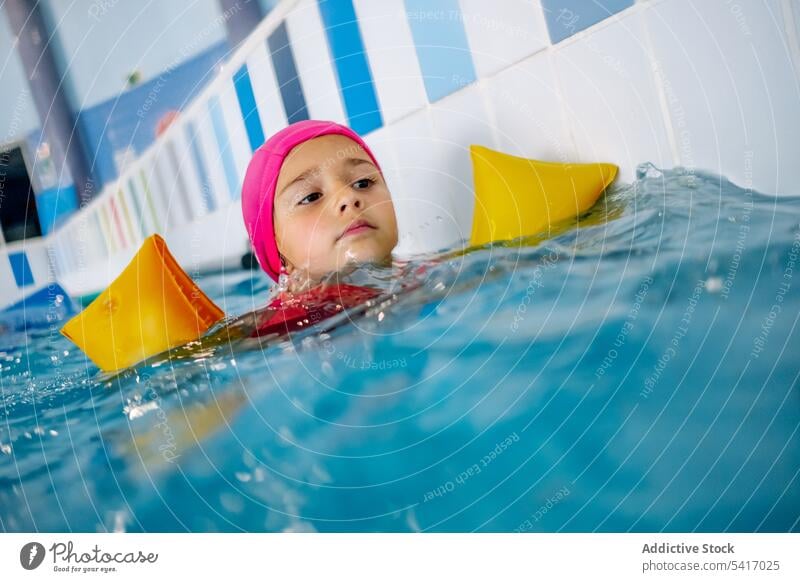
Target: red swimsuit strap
[(298, 311)]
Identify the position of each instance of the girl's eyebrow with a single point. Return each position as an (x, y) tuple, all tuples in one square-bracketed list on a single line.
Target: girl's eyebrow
[(299, 178), (349, 162), (352, 162)]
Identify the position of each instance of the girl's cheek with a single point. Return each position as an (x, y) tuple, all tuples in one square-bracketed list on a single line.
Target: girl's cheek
[(288, 213)]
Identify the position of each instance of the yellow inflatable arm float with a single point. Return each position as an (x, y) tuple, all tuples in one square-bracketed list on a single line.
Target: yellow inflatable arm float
[(154, 305), (151, 307), (517, 197)]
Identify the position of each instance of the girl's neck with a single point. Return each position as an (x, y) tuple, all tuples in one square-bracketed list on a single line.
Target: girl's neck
[(302, 281)]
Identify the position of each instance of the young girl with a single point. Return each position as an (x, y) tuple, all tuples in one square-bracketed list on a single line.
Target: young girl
[(315, 202)]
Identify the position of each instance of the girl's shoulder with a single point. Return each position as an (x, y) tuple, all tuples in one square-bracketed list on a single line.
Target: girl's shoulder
[(341, 292)]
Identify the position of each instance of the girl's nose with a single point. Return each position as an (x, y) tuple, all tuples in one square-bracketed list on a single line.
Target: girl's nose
[(350, 198)]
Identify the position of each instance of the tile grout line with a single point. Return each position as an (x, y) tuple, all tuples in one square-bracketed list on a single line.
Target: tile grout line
[(790, 19), (657, 73)]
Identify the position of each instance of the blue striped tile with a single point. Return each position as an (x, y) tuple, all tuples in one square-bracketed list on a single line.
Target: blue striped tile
[(180, 179), (247, 104), (223, 143), (192, 136), (66, 261), (98, 228), (352, 69), (148, 195), (21, 268), (442, 47), (54, 206), (566, 17), (294, 102), (137, 208), (165, 192)]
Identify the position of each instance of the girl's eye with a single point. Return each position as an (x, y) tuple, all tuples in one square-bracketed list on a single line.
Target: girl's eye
[(313, 195), (363, 183)]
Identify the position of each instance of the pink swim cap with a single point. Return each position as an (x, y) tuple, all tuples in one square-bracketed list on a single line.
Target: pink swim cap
[(258, 190)]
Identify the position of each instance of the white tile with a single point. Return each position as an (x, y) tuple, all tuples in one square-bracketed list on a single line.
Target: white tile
[(526, 105), (107, 219), (213, 161), (58, 248), (57, 253), (124, 221), (194, 189), (76, 253), (381, 144), (98, 235), (796, 14), (67, 250), (39, 262), (313, 61), (174, 170), (503, 33), (234, 125), (129, 218), (459, 120), (140, 223), (85, 241), (68, 257), (611, 102), (157, 196), (166, 182), (266, 91), (110, 232), (196, 251), (791, 16), (70, 250), (731, 90), (8, 285), (392, 57), (82, 247), (426, 212), (86, 234), (103, 234)]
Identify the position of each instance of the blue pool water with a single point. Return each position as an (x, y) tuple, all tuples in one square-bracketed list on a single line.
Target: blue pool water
[(638, 373)]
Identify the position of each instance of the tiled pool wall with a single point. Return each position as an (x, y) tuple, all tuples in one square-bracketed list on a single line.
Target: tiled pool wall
[(706, 84)]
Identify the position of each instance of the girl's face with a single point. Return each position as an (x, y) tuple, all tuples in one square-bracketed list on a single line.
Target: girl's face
[(332, 208)]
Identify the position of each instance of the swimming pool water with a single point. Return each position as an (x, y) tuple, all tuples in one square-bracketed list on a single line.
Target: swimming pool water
[(636, 373)]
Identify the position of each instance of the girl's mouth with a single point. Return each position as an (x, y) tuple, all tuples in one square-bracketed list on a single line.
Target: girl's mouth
[(356, 227)]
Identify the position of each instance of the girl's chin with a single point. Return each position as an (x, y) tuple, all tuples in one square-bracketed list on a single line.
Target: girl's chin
[(362, 248)]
